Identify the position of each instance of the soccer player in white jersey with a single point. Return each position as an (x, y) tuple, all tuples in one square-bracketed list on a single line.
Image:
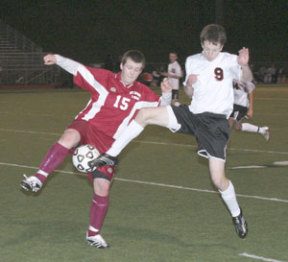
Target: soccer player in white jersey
[(115, 97), (244, 108), (174, 74), (209, 77)]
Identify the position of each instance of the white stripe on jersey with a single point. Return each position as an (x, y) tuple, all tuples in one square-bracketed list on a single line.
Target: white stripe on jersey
[(125, 122), (103, 93)]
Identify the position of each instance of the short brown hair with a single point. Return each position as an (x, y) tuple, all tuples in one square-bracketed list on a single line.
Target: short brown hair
[(213, 33), (135, 55)]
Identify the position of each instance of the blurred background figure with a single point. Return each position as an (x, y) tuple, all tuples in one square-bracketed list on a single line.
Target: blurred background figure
[(174, 74)]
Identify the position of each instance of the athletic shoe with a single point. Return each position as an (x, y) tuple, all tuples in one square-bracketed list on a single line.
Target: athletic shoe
[(96, 241), (103, 160), (240, 225), (31, 183), (266, 133)]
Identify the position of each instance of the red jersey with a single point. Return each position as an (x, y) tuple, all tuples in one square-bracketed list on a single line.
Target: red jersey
[(112, 104)]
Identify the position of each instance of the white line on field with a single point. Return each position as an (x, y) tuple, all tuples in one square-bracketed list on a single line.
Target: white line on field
[(158, 184), (29, 132), (149, 142), (260, 258), (247, 167)]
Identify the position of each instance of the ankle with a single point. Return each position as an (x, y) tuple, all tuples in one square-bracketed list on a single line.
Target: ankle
[(42, 178), (91, 233)]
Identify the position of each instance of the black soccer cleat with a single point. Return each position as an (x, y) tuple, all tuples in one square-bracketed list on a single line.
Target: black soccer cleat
[(103, 160), (240, 225)]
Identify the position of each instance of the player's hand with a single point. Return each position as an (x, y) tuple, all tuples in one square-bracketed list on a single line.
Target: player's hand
[(165, 87), (249, 113), (192, 79), (49, 59), (156, 74), (243, 57), (164, 74)]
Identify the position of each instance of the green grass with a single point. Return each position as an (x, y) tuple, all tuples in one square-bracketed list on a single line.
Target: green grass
[(164, 218)]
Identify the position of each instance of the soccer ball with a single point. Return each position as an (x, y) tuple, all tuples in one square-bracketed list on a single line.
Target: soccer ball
[(82, 155)]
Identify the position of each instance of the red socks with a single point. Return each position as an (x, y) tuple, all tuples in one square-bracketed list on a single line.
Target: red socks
[(98, 213), (54, 157)]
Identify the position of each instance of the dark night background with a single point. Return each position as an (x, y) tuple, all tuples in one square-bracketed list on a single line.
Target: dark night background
[(89, 30)]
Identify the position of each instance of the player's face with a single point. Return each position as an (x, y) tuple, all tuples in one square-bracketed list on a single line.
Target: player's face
[(210, 50), (130, 71), (172, 57)]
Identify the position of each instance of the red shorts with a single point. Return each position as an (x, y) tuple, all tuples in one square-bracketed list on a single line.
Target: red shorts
[(99, 140)]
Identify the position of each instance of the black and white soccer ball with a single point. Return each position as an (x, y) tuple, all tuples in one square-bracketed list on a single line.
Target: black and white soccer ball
[(82, 156)]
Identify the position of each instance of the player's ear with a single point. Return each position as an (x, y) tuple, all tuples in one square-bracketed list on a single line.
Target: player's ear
[(121, 66)]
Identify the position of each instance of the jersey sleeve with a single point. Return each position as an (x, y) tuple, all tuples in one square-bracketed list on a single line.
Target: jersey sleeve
[(188, 70), (91, 79)]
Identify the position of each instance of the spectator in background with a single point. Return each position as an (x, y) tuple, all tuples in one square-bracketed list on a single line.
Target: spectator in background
[(270, 75), (281, 77), (174, 74)]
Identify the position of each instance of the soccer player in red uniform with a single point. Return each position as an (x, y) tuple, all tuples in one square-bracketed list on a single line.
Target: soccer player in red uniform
[(115, 98)]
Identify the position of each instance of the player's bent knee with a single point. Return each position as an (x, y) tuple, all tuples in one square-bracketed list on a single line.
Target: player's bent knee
[(220, 183), (143, 116), (70, 138)]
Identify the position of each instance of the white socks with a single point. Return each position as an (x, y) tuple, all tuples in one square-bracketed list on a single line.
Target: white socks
[(252, 128), (133, 130), (229, 197)]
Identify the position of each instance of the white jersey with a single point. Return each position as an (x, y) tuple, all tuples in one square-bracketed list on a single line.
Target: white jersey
[(174, 69), (241, 92), (213, 90)]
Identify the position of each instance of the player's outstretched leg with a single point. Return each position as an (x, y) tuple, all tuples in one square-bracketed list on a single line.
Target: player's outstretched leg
[(240, 225), (54, 157), (262, 130), (103, 160)]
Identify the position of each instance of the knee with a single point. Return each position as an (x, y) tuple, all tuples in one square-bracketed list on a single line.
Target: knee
[(221, 183), (101, 187), (143, 117), (70, 138)]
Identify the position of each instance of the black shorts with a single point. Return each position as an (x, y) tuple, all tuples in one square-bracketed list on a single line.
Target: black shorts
[(239, 112), (210, 130)]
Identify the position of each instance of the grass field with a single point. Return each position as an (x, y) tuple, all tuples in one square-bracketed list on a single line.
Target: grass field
[(163, 206)]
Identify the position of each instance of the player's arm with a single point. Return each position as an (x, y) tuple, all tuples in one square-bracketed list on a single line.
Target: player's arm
[(251, 105), (243, 60), (190, 79), (84, 77), (166, 89), (188, 87), (177, 75), (67, 64)]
